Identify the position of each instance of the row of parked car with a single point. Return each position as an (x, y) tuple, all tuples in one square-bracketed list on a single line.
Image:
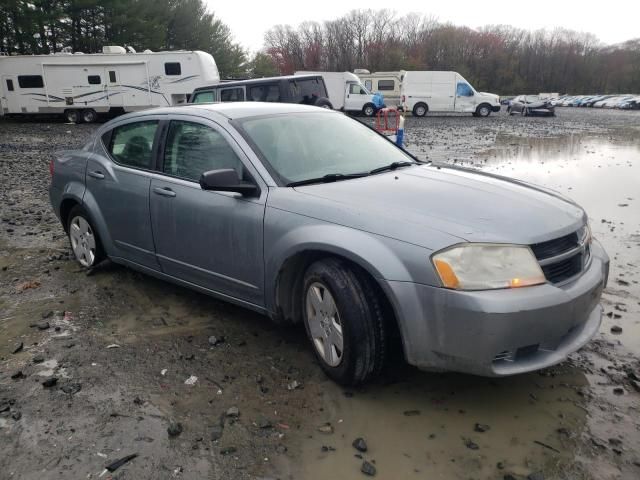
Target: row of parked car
[(624, 102)]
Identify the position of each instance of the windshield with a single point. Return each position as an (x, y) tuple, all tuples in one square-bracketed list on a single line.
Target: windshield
[(304, 146)]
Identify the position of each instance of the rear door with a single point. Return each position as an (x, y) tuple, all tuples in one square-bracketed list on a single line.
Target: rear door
[(10, 101), (112, 86), (210, 239)]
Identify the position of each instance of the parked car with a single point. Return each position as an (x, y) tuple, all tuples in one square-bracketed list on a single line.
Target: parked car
[(531, 105), (630, 104), (306, 215), (308, 90)]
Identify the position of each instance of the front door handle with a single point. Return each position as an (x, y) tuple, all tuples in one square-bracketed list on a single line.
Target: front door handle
[(97, 174), (165, 192)]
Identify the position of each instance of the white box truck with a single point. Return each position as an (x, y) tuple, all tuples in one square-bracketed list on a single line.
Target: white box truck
[(80, 86), (426, 91), (348, 94)]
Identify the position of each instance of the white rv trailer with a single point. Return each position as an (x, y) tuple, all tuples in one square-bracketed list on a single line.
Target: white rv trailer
[(82, 85), (385, 83)]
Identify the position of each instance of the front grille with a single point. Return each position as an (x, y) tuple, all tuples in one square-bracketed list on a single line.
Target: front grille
[(564, 269), (554, 247)]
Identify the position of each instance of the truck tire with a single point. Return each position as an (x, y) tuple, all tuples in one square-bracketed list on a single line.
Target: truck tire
[(420, 109), (72, 115), (89, 115), (483, 110), (369, 110), (324, 103), (344, 320)]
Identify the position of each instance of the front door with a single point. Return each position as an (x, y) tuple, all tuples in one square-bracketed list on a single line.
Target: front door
[(210, 239), (465, 97), (10, 100), (355, 97), (118, 183), (113, 87)]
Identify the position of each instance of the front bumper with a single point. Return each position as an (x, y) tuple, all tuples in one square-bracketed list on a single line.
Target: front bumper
[(500, 332), (495, 108)]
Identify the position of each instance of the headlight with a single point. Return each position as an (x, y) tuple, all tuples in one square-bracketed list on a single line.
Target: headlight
[(482, 266)]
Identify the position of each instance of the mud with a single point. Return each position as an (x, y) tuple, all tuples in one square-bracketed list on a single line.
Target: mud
[(565, 422)]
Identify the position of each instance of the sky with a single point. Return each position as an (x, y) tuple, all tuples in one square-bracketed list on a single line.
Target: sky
[(612, 21)]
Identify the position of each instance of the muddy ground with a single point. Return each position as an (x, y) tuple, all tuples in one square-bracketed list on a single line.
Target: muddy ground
[(123, 346)]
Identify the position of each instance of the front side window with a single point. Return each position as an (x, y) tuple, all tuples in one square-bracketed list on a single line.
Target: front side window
[(386, 85), (205, 97), (232, 95), (357, 89), (172, 68), (264, 93), (132, 144), (30, 81), (464, 90), (295, 146), (193, 149), (94, 80), (10, 85)]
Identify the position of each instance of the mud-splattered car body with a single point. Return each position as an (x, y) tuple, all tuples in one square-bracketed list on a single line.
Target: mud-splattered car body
[(400, 228)]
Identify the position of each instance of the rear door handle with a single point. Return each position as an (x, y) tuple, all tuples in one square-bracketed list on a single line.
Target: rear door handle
[(97, 174), (166, 191)]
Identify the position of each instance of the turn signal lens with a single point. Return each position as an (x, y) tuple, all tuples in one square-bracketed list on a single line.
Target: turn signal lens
[(446, 273)]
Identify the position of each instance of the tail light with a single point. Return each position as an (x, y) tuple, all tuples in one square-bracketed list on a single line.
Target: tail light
[(51, 167), (403, 98)]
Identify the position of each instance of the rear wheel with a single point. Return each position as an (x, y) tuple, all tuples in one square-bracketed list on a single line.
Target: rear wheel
[(89, 115), (324, 103), (84, 240), (72, 115), (420, 109), (483, 110), (368, 110), (344, 321)]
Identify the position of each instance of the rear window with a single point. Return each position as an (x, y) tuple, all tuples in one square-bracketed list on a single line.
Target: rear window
[(386, 85), (204, 97), (264, 93), (30, 81), (307, 91), (172, 68)]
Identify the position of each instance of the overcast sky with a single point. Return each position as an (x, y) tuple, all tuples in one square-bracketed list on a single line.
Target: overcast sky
[(612, 21)]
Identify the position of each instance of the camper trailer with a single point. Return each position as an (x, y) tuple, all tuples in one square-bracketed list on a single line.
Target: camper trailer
[(79, 86), (386, 84)]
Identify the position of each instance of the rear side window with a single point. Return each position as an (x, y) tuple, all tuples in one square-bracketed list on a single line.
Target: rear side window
[(232, 95), (307, 91), (132, 144), (193, 149), (264, 93), (172, 68), (94, 80), (30, 81), (10, 85), (204, 97), (386, 85)]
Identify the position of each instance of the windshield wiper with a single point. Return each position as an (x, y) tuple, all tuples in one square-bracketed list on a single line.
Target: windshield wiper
[(328, 178), (391, 166)]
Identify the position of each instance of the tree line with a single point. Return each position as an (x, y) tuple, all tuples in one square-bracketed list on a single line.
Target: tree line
[(496, 58)]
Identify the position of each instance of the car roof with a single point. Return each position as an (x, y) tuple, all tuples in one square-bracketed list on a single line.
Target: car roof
[(251, 81)]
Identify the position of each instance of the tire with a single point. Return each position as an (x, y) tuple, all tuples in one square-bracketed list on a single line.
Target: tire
[(84, 240), (340, 306), (369, 110), (509, 111), (324, 103), (524, 113), (89, 115), (72, 115), (420, 109), (483, 110)]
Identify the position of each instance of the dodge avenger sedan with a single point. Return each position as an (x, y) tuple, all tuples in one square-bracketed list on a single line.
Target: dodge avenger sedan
[(306, 215)]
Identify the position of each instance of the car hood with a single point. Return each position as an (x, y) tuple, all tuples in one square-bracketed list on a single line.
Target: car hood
[(436, 206)]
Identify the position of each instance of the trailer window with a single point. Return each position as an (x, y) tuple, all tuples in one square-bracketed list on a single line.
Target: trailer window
[(367, 83), (172, 68), (30, 81), (386, 85), (264, 93), (94, 80), (204, 97), (10, 85), (131, 144), (112, 76), (232, 95)]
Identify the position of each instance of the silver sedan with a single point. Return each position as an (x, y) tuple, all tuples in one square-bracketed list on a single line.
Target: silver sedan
[(306, 215)]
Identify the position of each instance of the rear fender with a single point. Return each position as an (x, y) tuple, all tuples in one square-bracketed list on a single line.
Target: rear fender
[(93, 209)]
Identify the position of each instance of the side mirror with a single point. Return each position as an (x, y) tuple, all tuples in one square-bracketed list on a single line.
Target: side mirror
[(227, 180)]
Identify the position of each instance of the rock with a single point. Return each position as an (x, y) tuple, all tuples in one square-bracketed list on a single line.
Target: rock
[(359, 444), (508, 476), (281, 449), (618, 391), (294, 385), (40, 325), (264, 422), (47, 314), (411, 413), (5, 407), (213, 340), (38, 359), (18, 348), (500, 466), (326, 428), (481, 428), (49, 382), (368, 469), (174, 429), (16, 416), (138, 401), (635, 384), (71, 388), (470, 444), (233, 412), (535, 476), (18, 375), (216, 432), (228, 450), (616, 329)]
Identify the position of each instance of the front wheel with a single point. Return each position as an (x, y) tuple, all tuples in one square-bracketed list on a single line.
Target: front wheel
[(483, 110), (368, 110), (84, 240), (344, 321)]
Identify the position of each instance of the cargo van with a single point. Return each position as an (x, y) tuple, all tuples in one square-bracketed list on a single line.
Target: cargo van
[(308, 90), (423, 92), (386, 84), (347, 93)]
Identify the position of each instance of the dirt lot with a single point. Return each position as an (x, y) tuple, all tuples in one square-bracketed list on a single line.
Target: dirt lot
[(126, 349)]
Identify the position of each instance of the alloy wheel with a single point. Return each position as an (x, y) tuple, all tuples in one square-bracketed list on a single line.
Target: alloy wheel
[(325, 325), (83, 241)]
